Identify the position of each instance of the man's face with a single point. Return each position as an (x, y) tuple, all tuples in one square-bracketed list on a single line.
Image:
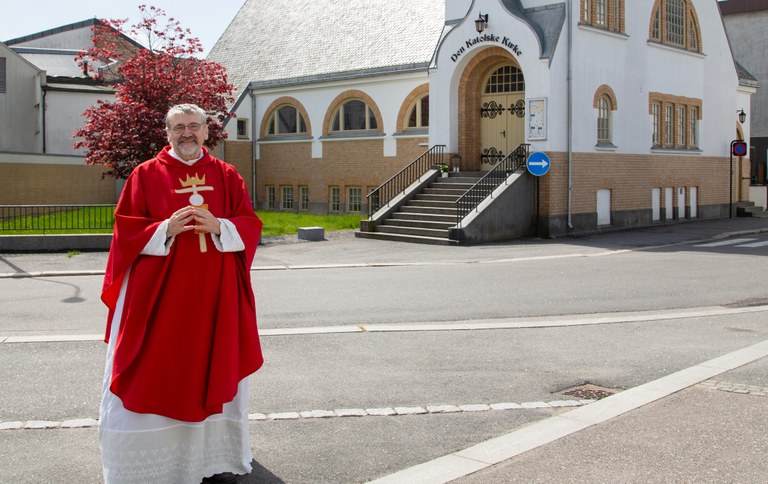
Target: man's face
[(186, 135)]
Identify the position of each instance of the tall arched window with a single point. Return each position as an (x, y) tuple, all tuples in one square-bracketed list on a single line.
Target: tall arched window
[(354, 115), (603, 120), (418, 116), (286, 120), (674, 22)]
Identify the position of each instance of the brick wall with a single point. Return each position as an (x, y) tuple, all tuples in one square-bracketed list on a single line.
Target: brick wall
[(346, 163), (54, 184)]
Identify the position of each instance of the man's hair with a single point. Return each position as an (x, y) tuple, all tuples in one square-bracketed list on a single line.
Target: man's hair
[(184, 109)]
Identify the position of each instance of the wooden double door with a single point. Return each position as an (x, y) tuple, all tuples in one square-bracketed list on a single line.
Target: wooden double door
[(502, 115)]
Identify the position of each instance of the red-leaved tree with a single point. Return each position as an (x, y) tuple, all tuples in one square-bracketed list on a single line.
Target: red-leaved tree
[(121, 134)]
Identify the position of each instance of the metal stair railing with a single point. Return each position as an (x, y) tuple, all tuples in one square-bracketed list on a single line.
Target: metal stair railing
[(499, 174), (401, 180)]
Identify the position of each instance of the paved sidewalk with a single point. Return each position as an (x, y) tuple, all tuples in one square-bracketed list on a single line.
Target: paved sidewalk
[(696, 425)]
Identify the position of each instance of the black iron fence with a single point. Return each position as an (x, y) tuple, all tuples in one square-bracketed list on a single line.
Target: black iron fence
[(43, 219), (490, 181), (404, 178)]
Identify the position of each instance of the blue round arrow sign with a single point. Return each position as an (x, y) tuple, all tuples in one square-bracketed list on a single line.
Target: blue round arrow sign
[(538, 163)]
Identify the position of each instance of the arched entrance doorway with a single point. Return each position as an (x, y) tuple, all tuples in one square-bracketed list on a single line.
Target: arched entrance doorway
[(493, 64), (502, 114)]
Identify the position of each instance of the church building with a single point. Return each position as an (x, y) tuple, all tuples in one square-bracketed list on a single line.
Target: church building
[(628, 109)]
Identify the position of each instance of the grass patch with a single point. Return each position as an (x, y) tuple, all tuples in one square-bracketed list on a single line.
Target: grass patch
[(99, 220), (287, 223)]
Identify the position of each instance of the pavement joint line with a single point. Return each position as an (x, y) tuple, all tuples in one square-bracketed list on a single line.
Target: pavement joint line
[(467, 325), (486, 454), (323, 414)]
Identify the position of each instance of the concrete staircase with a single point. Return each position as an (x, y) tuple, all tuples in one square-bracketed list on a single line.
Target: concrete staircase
[(426, 217), (749, 209)]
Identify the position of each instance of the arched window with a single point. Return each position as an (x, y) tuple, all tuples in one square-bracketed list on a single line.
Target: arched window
[(674, 23), (286, 120), (354, 115), (505, 79), (605, 103), (418, 116), (604, 120), (605, 14)]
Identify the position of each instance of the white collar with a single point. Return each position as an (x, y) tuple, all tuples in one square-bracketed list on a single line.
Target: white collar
[(190, 162)]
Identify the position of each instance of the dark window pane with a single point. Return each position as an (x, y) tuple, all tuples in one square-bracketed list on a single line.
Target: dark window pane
[(287, 118), (425, 111), (354, 115)]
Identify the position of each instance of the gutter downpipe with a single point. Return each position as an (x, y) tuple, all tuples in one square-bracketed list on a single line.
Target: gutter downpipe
[(570, 115), (253, 147)]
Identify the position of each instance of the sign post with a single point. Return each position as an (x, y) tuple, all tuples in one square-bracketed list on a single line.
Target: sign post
[(738, 148), (538, 165)]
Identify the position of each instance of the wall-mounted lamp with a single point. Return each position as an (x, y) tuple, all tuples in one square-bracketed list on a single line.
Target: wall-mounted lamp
[(481, 23), (742, 116)]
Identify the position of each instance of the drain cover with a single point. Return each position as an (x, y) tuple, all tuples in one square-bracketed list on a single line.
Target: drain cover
[(589, 391)]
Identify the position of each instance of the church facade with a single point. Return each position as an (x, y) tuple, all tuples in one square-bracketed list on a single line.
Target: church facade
[(635, 104)]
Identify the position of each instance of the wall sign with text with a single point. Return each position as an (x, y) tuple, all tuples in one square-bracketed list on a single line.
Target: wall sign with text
[(537, 118)]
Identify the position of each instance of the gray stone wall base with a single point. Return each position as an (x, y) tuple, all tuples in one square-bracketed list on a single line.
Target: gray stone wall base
[(54, 243)]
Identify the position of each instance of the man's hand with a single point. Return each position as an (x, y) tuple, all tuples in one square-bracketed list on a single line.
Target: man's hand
[(177, 223), (206, 222)]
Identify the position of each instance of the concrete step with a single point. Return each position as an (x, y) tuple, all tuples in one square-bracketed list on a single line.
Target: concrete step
[(444, 190), (423, 232), (426, 217), (428, 210), (406, 238), (424, 224), (435, 197)]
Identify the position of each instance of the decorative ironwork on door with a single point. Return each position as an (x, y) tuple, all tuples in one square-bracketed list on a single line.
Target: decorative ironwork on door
[(492, 156), (491, 110)]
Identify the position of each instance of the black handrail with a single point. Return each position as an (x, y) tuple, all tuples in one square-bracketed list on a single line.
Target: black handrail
[(490, 181), (401, 180)]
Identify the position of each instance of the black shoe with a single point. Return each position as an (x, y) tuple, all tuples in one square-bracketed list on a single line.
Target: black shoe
[(223, 478)]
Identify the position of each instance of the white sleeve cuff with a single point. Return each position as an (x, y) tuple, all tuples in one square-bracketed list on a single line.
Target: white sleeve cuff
[(159, 244), (229, 240)]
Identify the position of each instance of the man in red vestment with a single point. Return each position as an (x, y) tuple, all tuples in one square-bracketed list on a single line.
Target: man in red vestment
[(182, 317)]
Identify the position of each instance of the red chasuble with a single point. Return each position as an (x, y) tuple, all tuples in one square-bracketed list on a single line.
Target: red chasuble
[(188, 331)]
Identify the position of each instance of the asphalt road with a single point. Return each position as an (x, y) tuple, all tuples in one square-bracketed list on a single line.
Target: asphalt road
[(358, 324)]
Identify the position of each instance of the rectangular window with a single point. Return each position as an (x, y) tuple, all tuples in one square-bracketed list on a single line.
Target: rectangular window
[(587, 11), (354, 199), (617, 15), (304, 198), (669, 112), (694, 125), (681, 131), (2, 75), (270, 197), (601, 13), (335, 199), (656, 127), (242, 129), (286, 198)]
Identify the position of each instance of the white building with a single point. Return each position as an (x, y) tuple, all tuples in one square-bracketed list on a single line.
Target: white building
[(634, 103)]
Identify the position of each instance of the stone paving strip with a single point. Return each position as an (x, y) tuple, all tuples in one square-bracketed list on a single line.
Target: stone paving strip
[(726, 386), (342, 412)]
